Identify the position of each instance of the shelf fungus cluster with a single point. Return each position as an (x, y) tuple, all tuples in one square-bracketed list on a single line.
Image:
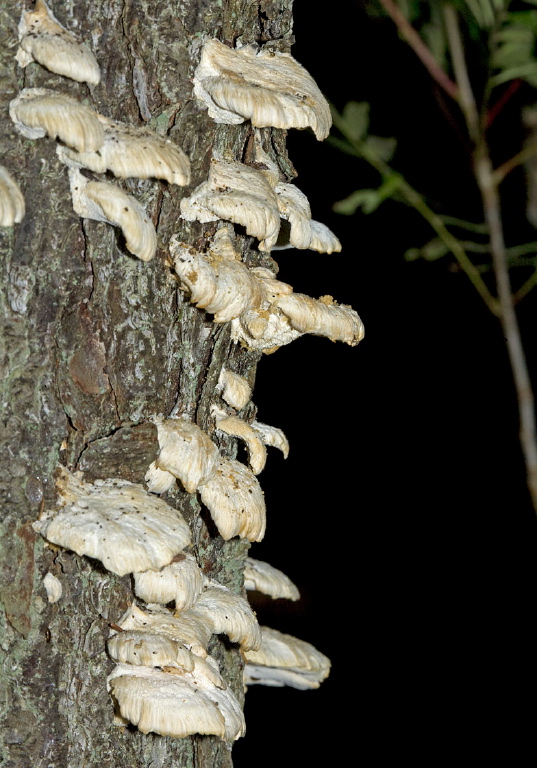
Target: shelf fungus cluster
[(265, 312)]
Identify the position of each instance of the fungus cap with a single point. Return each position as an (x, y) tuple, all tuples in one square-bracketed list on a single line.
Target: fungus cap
[(322, 317), (285, 660), (149, 649), (102, 201), (186, 452), (43, 39), (238, 193), (39, 112), (190, 630), (235, 500), (116, 522), (229, 614), (53, 587), (237, 427), (268, 88), (234, 389), (158, 480), (264, 578), (133, 152), (181, 582), (304, 232), (272, 436), (12, 206)]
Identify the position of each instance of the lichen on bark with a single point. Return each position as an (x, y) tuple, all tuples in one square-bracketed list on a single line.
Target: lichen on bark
[(93, 344)]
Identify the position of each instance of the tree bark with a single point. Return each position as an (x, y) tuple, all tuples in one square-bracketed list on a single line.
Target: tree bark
[(93, 344)]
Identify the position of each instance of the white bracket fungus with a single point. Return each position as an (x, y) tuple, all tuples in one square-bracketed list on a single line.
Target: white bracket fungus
[(285, 660), (105, 202), (322, 317), (181, 582), (189, 630), (131, 152), (272, 436), (233, 389), (186, 452), (236, 427), (236, 501), (43, 39), (238, 193), (264, 578), (222, 287), (229, 614), (116, 522), (12, 207), (149, 649), (304, 233), (53, 587), (176, 705), (266, 87), (39, 112)]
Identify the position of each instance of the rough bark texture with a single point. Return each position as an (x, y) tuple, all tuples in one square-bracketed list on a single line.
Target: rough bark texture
[(93, 343)]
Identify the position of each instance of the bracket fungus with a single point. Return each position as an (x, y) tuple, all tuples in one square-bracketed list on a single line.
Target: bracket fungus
[(149, 649), (264, 578), (176, 705), (237, 427), (116, 522), (233, 389), (187, 629), (322, 317), (285, 660), (39, 112), (304, 233), (132, 152), (229, 614), (272, 436), (12, 206), (53, 587), (221, 286), (101, 201), (238, 193), (236, 501), (267, 87), (181, 582), (186, 452), (43, 39)]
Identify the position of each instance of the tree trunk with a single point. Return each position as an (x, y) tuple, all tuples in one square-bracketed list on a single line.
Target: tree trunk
[(94, 343)]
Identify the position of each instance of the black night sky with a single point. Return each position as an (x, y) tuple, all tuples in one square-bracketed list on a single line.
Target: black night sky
[(402, 512)]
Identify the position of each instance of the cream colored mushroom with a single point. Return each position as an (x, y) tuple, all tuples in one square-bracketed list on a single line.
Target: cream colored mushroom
[(222, 287), (304, 233), (238, 193), (129, 151), (272, 436), (43, 39), (235, 500), (234, 389), (186, 452), (181, 582), (237, 427), (174, 705), (53, 587), (285, 660), (12, 207), (322, 317), (229, 614), (105, 202), (149, 649), (116, 522), (268, 88), (264, 578), (39, 112), (158, 480), (190, 630)]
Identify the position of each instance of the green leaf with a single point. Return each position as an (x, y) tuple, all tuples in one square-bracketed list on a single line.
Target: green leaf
[(383, 148), (367, 199), (356, 119)]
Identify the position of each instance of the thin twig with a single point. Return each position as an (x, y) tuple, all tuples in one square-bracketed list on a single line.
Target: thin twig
[(526, 153), (488, 187), (420, 49)]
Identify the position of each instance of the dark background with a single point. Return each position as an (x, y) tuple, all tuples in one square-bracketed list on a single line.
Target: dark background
[(401, 513)]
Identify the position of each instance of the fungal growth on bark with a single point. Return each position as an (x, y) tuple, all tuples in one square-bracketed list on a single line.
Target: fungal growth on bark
[(116, 522), (272, 436), (43, 39), (236, 501), (174, 703), (238, 193), (186, 452), (181, 582), (229, 614), (234, 389), (39, 112), (236, 427), (264, 578), (12, 206), (267, 87), (102, 201), (285, 660), (132, 152)]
